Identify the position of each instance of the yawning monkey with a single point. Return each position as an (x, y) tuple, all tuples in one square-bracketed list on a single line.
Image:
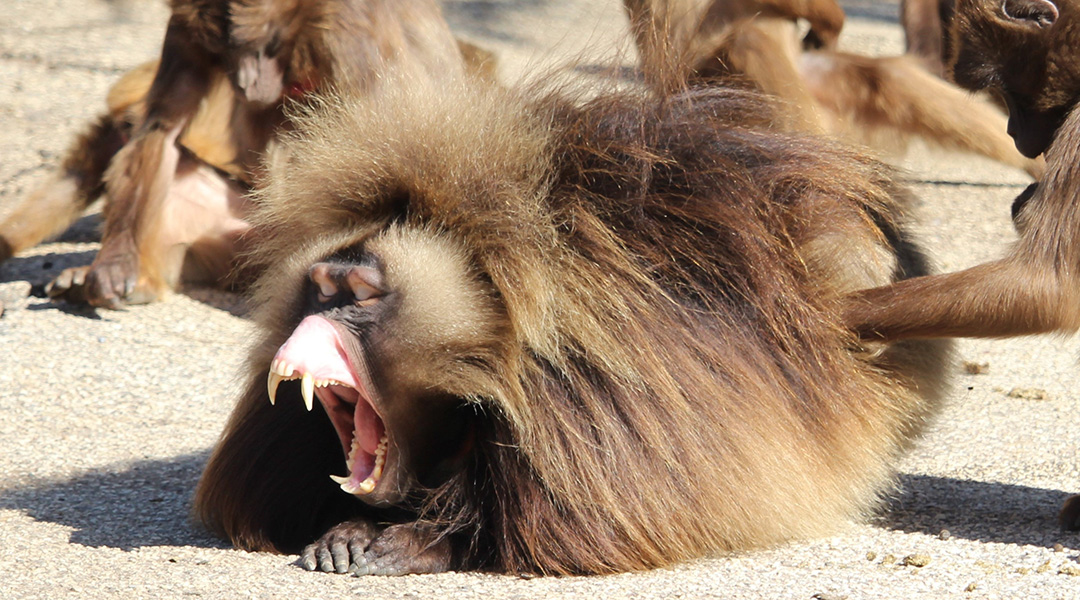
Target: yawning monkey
[(538, 333)]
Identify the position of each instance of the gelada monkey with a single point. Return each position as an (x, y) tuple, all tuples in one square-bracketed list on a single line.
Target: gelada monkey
[(550, 333), (1026, 50), (175, 154), (859, 98)]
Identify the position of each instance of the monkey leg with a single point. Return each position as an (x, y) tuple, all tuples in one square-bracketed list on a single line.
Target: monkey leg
[(765, 52), (194, 240), (136, 182), (898, 94), (359, 548), (56, 204)]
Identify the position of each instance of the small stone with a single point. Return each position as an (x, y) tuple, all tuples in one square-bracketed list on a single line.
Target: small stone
[(916, 560), (1072, 570), (1023, 570), (971, 587), (944, 534), (888, 559), (871, 556), (1028, 394), (1059, 548), (974, 368), (1043, 567)]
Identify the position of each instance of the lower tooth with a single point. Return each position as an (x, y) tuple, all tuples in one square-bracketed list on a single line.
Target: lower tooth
[(368, 485)]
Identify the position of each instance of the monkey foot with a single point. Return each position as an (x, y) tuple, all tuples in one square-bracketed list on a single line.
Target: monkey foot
[(75, 286), (315, 355)]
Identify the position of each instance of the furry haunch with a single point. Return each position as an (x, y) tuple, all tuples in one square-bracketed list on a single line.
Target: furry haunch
[(585, 335)]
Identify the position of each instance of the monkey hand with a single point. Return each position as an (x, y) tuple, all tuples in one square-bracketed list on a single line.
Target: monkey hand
[(359, 548)]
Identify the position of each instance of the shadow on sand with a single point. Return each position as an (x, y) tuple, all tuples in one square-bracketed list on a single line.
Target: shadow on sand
[(978, 511), (148, 504)]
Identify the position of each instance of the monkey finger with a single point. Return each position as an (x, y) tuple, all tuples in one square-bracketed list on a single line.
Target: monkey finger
[(307, 558), (326, 561), (357, 548), (104, 289), (339, 552), (69, 285)]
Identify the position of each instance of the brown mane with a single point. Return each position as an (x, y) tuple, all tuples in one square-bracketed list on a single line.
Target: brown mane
[(671, 379)]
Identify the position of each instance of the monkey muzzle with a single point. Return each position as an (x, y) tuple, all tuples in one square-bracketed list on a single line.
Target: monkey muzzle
[(315, 355)]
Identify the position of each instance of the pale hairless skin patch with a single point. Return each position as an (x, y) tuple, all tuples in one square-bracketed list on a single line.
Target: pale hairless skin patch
[(314, 353), (260, 76)]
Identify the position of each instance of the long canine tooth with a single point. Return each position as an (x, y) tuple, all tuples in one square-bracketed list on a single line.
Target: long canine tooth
[(349, 488), (343, 482), (272, 382), (307, 389)]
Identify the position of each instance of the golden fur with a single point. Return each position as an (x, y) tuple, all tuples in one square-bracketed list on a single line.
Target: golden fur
[(652, 350), (185, 135), (878, 101)]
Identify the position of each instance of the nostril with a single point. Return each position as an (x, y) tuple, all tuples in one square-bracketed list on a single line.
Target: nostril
[(365, 282), (320, 275)]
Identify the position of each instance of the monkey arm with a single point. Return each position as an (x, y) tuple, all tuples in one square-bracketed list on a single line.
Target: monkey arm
[(998, 299)]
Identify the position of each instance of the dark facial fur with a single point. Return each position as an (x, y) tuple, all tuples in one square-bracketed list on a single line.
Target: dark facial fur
[(1024, 50)]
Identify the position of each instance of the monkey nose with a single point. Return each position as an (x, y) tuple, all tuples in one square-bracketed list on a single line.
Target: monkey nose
[(320, 275)]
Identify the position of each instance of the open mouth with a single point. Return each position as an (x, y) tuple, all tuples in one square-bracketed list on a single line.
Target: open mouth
[(315, 355)]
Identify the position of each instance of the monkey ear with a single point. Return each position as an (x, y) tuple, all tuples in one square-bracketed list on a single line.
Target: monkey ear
[(1030, 13)]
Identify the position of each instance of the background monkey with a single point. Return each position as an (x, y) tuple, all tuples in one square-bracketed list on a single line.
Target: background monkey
[(182, 142), (1026, 51), (539, 333), (845, 94)]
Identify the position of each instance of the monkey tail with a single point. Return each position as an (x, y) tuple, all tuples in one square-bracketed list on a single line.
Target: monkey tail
[(50, 209)]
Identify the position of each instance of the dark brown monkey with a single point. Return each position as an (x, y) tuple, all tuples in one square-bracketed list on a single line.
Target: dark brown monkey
[(543, 334), (175, 207), (1027, 50), (855, 97)]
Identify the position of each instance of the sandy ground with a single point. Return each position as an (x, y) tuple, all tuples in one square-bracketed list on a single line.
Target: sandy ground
[(106, 418)]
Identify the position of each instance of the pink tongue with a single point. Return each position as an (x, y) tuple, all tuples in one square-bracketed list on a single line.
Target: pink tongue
[(315, 347), (369, 427)]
